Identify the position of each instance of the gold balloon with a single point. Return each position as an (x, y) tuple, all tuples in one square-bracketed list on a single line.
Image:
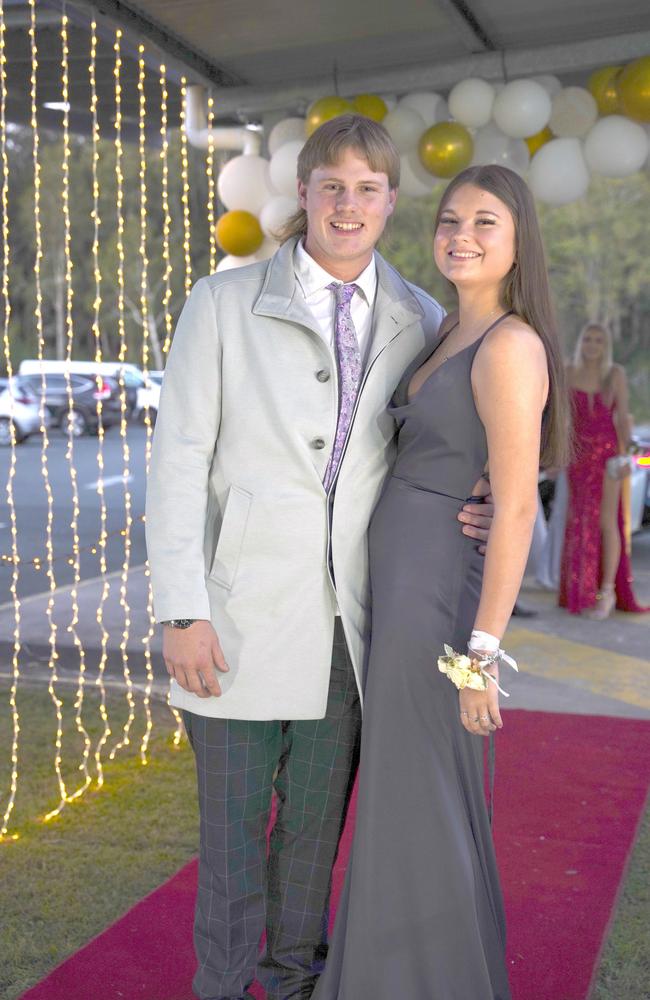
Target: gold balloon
[(535, 142), (446, 148), (634, 89), (323, 109), (371, 106), (239, 233), (602, 85)]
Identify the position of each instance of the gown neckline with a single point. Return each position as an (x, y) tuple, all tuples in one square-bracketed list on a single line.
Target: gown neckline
[(412, 399)]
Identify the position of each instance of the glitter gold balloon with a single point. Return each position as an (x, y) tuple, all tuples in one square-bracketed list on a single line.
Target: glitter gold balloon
[(634, 89), (371, 106), (603, 86), (446, 148), (323, 109)]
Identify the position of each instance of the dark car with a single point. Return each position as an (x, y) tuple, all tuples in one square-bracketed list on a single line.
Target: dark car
[(87, 391), (132, 383)]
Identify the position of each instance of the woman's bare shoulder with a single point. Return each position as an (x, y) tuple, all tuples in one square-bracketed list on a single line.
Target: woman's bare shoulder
[(513, 337)]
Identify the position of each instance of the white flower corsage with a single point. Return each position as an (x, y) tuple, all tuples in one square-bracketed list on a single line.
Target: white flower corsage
[(470, 672)]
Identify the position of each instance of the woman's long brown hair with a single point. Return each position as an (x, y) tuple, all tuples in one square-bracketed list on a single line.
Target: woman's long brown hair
[(526, 291)]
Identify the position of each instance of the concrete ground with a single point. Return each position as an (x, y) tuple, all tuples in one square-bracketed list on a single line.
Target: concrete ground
[(567, 663)]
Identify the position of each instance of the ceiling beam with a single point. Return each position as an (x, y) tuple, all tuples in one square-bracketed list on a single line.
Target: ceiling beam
[(569, 58), (467, 25), (141, 25)]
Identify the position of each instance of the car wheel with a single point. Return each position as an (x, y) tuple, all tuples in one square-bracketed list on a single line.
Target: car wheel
[(5, 432), (74, 423), (142, 415)]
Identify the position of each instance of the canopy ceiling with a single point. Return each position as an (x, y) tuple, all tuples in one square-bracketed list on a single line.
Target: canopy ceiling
[(274, 56)]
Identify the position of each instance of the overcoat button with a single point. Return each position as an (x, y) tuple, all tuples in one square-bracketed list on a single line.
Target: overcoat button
[(323, 375), (318, 444)]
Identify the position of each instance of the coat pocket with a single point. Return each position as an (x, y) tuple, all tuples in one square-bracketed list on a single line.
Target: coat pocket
[(231, 537)]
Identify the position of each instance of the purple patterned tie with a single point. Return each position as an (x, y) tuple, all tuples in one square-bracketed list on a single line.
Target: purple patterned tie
[(349, 365)]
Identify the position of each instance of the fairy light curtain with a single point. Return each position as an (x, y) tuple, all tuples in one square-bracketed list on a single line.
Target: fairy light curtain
[(135, 208)]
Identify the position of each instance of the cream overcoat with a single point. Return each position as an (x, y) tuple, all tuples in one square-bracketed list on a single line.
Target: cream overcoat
[(239, 528)]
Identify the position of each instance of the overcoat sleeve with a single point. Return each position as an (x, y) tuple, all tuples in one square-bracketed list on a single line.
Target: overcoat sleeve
[(185, 437)]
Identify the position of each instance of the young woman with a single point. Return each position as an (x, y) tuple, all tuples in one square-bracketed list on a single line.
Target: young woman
[(421, 915), (595, 574)]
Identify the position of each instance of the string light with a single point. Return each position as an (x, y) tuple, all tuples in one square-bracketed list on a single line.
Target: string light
[(103, 513), (15, 668), (37, 561), (185, 192), (167, 221), (119, 154), (144, 309), (209, 167), (38, 315), (74, 524)]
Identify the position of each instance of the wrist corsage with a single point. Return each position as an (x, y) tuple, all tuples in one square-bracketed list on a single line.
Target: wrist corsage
[(470, 671)]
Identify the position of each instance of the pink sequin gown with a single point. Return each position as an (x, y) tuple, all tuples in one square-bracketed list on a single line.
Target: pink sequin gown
[(595, 441)]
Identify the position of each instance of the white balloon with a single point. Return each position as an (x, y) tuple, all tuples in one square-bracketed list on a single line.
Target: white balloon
[(268, 248), (405, 126), (284, 167), (286, 131), (491, 145), (558, 173), (522, 108), (229, 262), (470, 102), (573, 113), (430, 106), (244, 183), (412, 177), (276, 212), (616, 147), (389, 100), (550, 83)]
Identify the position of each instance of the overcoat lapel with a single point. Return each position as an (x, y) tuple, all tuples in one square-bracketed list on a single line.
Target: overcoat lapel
[(281, 297), (395, 308)]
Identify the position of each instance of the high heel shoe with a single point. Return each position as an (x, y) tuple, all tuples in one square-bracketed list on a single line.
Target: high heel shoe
[(606, 602)]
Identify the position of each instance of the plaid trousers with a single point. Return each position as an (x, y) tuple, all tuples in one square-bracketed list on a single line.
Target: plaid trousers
[(243, 888)]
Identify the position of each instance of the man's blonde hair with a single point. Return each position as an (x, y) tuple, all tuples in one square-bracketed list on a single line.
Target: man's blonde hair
[(325, 147)]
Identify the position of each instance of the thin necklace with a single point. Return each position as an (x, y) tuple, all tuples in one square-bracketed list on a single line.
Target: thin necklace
[(484, 325)]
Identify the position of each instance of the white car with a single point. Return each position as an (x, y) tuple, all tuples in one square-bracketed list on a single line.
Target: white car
[(640, 479), (19, 405), (149, 397)]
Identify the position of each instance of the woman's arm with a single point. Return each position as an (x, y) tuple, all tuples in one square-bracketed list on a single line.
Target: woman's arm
[(622, 420), (510, 382)]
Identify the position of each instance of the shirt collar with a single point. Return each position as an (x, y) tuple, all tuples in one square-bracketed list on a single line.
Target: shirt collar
[(313, 278)]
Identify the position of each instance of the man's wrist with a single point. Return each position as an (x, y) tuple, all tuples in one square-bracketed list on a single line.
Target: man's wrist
[(179, 622)]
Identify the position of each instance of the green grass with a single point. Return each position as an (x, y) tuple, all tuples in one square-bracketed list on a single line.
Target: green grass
[(66, 880), (624, 972)]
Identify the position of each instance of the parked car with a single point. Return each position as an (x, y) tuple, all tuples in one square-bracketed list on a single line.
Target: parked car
[(130, 375), (87, 391), (149, 397), (640, 479), (19, 405)]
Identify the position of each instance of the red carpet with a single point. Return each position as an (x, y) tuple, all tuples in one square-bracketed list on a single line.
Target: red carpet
[(569, 794)]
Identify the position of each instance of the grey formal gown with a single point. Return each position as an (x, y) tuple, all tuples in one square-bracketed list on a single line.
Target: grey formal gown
[(421, 915)]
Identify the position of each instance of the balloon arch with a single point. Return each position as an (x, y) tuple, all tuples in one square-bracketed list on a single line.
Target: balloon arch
[(558, 137)]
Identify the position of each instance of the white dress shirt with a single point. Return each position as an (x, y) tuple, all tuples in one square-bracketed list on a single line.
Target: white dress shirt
[(313, 281)]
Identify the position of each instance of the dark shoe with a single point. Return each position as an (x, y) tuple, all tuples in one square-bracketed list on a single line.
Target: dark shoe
[(519, 611)]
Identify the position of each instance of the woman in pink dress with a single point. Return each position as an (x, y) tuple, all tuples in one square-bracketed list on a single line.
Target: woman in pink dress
[(596, 574)]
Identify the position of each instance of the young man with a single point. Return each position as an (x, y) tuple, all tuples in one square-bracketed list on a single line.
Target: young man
[(271, 444)]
